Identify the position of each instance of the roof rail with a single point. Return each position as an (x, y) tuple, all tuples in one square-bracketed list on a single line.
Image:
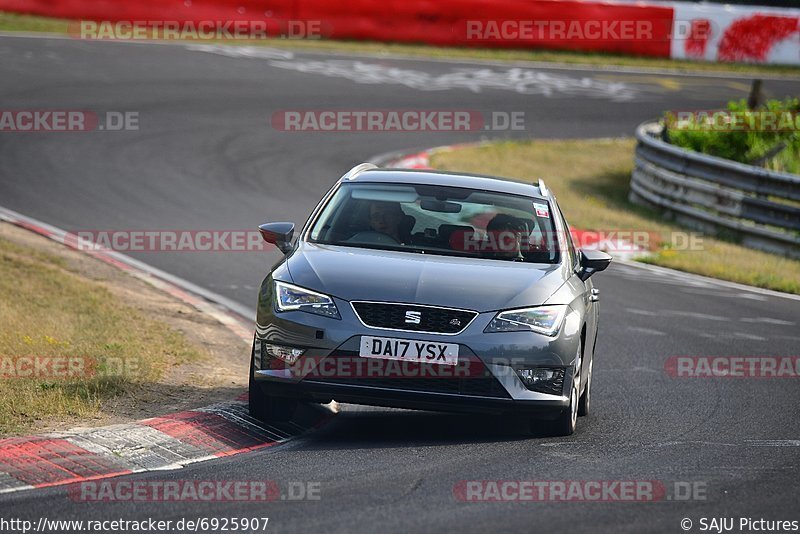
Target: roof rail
[(358, 169), (543, 188)]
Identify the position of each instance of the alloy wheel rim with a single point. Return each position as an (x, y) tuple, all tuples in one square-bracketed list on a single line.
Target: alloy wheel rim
[(574, 405), (589, 384)]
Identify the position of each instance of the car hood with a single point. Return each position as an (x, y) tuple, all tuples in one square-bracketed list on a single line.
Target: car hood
[(352, 273)]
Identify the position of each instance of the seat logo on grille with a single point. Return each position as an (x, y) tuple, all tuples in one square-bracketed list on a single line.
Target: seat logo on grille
[(455, 322), (413, 317)]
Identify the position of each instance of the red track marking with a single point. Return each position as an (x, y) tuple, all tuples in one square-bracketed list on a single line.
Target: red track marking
[(46, 461), (210, 432), (752, 38)]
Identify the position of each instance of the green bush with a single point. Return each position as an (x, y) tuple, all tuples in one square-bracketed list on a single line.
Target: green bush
[(753, 136)]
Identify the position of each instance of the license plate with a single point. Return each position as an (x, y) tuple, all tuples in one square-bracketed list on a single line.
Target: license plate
[(388, 348)]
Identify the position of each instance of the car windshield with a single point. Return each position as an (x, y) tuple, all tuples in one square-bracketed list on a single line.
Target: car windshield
[(432, 219)]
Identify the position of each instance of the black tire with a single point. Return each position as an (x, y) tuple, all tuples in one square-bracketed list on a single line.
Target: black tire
[(584, 405), (565, 424), (267, 408)]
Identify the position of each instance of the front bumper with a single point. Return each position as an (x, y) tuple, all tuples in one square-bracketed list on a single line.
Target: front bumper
[(497, 389), (411, 399)]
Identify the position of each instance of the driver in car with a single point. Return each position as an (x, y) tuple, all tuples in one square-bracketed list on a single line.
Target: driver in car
[(387, 218), (506, 233)]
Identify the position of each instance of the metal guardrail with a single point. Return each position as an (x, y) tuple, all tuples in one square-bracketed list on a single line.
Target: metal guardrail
[(717, 195)]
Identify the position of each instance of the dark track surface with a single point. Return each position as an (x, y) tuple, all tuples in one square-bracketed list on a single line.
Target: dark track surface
[(206, 157)]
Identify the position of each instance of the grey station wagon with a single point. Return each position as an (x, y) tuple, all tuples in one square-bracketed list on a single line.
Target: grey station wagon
[(433, 291)]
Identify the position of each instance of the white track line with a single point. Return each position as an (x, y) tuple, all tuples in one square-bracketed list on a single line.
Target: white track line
[(453, 60)]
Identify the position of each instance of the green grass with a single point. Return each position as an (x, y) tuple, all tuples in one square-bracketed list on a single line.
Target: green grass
[(12, 22), (48, 311), (29, 23), (702, 134), (591, 181)]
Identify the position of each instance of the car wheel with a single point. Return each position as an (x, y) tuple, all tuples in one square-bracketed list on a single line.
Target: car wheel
[(267, 408), (566, 422), (586, 399)]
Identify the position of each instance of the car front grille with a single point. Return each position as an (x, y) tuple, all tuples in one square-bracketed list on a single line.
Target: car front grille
[(413, 318), (472, 378)]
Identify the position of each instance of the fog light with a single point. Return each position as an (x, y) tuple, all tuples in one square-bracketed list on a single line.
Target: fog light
[(548, 380), (287, 354), (534, 376)]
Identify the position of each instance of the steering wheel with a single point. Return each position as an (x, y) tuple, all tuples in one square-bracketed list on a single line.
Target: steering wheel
[(371, 237)]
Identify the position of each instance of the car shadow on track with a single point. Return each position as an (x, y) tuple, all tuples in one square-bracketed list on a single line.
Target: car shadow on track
[(359, 427)]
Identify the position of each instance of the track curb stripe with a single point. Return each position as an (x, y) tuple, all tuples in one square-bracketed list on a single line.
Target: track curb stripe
[(42, 460), (159, 443)]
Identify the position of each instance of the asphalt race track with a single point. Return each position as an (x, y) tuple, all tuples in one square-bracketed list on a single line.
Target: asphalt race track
[(206, 157)]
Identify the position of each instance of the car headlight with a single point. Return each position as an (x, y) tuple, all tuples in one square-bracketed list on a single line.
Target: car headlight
[(541, 319), (289, 297)]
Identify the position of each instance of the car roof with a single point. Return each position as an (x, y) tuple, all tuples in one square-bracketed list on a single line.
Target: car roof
[(451, 179)]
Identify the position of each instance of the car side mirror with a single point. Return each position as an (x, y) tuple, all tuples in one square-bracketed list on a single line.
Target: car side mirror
[(592, 261), (278, 234)]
